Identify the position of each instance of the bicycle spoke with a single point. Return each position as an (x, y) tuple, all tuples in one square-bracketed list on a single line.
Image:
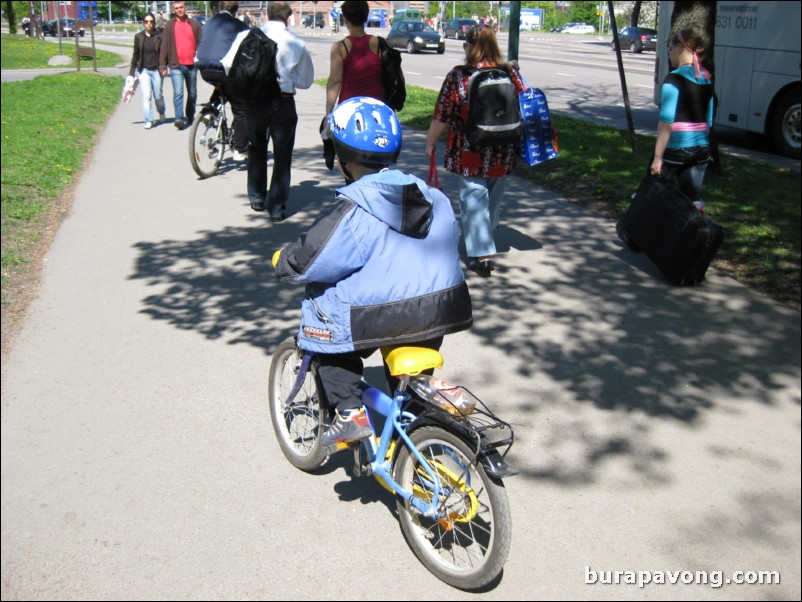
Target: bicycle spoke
[(206, 147), (465, 544)]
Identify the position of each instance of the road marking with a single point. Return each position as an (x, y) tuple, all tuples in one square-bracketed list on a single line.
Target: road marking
[(414, 73), (565, 74)]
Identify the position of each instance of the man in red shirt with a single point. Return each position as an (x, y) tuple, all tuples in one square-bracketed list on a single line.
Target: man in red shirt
[(180, 40)]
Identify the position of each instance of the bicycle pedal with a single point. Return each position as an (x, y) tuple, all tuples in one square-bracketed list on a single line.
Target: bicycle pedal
[(341, 446)]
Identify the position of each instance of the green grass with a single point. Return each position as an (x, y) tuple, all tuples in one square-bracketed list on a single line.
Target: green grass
[(22, 52), (757, 205), (49, 125)]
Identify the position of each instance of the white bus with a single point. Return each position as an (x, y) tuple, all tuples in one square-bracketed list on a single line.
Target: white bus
[(757, 66)]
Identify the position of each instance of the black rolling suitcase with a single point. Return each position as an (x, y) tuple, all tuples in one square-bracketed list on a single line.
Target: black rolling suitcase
[(675, 235)]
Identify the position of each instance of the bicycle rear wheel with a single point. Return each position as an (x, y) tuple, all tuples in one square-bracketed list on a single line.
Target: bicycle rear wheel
[(298, 427), (467, 544), (206, 145)]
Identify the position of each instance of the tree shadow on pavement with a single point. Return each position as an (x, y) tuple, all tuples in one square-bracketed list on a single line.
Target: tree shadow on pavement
[(571, 314)]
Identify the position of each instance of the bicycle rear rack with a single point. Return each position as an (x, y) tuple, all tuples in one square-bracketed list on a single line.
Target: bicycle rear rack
[(490, 437)]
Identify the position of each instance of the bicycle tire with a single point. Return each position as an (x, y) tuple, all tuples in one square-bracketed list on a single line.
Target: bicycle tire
[(469, 548), (299, 427), (206, 149)]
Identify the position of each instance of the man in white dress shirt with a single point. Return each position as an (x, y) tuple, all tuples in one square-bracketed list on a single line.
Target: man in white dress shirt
[(278, 118)]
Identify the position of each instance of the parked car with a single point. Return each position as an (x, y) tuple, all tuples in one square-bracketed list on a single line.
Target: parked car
[(579, 28), (319, 19), (48, 28), (201, 19), (457, 28), (67, 28), (559, 28), (374, 20), (415, 36), (636, 39)]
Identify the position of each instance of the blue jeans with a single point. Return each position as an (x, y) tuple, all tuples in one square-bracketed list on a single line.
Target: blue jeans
[(274, 121), (180, 76), (480, 204), (150, 82)]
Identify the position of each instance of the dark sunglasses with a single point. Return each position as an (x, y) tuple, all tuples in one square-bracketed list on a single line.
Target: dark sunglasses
[(149, 21)]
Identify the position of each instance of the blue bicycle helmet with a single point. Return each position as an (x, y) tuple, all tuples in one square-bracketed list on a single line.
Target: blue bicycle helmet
[(365, 130)]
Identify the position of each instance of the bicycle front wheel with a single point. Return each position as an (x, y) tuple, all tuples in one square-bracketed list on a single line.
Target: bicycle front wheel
[(206, 146), (466, 545), (299, 426)]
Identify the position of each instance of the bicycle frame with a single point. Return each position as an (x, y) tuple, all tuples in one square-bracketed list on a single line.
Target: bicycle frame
[(380, 466), (397, 422), (219, 109)]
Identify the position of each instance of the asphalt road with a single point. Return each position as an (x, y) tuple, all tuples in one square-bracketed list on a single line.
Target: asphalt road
[(658, 428), (579, 75)]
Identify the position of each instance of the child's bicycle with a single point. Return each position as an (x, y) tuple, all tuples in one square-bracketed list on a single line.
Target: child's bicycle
[(210, 135), (440, 451)]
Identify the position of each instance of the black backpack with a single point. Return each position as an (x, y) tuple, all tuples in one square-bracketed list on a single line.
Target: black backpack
[(395, 87), (253, 76), (494, 113)]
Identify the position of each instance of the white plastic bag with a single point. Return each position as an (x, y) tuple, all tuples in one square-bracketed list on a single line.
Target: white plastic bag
[(131, 84)]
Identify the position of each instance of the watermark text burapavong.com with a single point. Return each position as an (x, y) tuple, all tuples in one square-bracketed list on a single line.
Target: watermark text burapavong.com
[(714, 579)]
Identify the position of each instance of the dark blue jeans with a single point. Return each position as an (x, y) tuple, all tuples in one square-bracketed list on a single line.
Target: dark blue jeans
[(274, 121)]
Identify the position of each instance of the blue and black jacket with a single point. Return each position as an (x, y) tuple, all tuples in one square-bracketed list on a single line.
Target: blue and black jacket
[(382, 267)]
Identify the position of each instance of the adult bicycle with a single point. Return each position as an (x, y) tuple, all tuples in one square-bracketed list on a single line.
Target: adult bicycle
[(210, 135), (440, 451)]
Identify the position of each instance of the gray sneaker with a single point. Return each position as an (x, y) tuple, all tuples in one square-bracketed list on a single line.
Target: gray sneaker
[(348, 427)]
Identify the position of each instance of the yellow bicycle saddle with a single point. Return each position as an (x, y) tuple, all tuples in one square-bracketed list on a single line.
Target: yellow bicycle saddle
[(411, 360)]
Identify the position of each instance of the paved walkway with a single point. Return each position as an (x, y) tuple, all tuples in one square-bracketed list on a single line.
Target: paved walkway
[(658, 428)]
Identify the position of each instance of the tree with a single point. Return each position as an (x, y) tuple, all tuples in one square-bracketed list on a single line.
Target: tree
[(12, 19), (633, 22), (583, 12)]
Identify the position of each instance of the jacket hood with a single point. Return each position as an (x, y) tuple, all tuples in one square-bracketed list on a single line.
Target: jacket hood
[(400, 200)]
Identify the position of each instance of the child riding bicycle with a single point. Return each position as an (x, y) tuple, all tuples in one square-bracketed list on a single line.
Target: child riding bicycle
[(380, 263)]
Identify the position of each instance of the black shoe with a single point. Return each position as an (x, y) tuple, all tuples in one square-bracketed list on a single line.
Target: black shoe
[(257, 206), (180, 124), (276, 214)]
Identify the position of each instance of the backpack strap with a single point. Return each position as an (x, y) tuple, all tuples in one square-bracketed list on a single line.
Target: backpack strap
[(344, 46)]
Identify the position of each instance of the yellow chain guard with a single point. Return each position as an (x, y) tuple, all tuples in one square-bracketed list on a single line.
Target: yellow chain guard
[(454, 482)]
